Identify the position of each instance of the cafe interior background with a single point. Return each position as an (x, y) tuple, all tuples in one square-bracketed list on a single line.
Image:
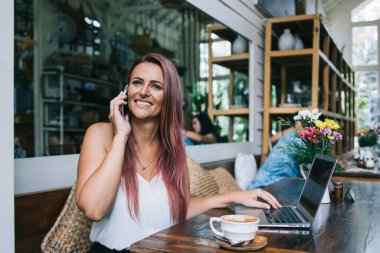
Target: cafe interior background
[(71, 57)]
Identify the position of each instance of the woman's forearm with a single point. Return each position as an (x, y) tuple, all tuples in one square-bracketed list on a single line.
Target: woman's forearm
[(254, 198), (99, 190), (208, 138), (200, 205), (194, 136)]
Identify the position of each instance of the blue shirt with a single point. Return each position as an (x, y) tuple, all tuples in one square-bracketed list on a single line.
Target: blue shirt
[(278, 165), (187, 141)]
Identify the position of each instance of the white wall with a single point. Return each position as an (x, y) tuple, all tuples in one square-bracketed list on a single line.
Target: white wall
[(339, 23), (6, 123), (55, 172)]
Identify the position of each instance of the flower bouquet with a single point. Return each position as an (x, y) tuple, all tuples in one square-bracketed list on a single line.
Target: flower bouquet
[(367, 137), (312, 136)]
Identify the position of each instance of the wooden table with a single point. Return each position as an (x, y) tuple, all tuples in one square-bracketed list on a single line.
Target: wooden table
[(352, 172), (340, 226)]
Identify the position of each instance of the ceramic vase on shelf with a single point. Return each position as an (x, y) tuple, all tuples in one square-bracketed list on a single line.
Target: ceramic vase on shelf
[(240, 45), (298, 44), (305, 170), (286, 41), (369, 157)]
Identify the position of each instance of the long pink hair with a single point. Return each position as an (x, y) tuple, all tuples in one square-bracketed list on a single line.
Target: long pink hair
[(172, 155)]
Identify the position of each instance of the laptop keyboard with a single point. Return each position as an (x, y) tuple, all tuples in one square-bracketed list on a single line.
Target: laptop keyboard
[(281, 215)]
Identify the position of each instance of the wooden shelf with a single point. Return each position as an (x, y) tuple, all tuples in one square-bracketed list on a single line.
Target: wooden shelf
[(235, 62), (222, 32), (287, 110), (333, 67), (238, 64), (289, 53), (232, 111), (337, 116), (319, 67)]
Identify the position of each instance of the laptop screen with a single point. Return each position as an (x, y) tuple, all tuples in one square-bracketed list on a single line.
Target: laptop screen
[(316, 183)]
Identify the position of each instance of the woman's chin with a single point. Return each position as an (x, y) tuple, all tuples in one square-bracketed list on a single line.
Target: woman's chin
[(144, 116)]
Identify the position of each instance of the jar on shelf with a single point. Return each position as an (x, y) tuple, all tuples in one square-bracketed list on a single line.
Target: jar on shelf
[(239, 45), (298, 44), (286, 41)]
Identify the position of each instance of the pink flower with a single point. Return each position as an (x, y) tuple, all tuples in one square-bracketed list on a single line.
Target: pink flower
[(337, 136), (332, 142), (326, 130), (310, 134)]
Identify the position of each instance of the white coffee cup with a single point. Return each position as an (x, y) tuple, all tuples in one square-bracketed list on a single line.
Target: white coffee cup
[(236, 227)]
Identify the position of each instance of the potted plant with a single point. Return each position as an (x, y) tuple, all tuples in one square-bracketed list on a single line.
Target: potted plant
[(313, 136), (367, 139)]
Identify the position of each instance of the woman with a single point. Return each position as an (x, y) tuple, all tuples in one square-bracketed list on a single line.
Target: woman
[(204, 131), (135, 165)]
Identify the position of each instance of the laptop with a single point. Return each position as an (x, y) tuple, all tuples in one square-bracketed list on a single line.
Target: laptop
[(303, 214)]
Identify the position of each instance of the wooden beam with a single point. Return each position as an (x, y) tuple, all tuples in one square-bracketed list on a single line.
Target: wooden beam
[(295, 18), (326, 79), (283, 84), (333, 95), (210, 90), (232, 111), (315, 64), (293, 52), (231, 100), (267, 91)]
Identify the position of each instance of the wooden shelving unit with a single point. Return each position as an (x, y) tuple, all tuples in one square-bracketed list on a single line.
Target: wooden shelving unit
[(236, 63), (326, 79)]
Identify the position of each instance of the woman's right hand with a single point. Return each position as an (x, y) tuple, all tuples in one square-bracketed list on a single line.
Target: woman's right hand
[(121, 126)]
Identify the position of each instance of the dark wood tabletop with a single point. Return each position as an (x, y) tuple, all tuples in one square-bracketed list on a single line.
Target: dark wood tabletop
[(352, 170), (340, 226)]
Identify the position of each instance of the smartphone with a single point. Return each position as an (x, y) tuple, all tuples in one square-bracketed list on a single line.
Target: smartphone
[(124, 108)]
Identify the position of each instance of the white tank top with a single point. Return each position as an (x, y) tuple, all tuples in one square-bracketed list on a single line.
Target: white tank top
[(118, 230)]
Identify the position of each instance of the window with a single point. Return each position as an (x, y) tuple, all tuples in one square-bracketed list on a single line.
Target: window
[(367, 11), (365, 20), (24, 79), (364, 45)]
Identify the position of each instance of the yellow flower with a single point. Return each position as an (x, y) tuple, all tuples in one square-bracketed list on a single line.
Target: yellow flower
[(330, 137), (332, 124), (320, 124)]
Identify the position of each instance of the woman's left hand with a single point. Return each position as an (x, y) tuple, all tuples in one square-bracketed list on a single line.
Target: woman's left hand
[(251, 198)]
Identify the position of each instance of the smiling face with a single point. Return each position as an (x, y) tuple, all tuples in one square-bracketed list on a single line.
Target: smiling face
[(146, 91)]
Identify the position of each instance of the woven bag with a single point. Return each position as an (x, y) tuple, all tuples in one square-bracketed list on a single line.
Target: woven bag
[(71, 230), (224, 180), (202, 184)]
